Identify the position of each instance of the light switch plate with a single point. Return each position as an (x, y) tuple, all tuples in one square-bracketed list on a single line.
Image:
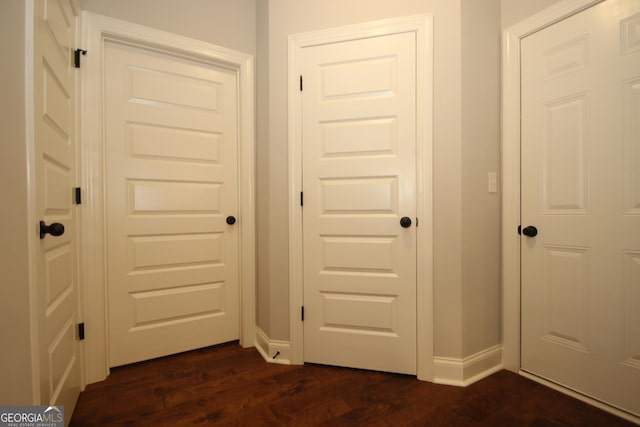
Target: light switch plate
[(493, 182)]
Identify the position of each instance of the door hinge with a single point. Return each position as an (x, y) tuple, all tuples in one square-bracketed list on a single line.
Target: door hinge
[(301, 198), (81, 331), (77, 195), (76, 56), (300, 83), (302, 313)]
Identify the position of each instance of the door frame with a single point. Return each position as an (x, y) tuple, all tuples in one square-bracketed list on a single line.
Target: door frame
[(511, 144), (96, 30), (422, 26)]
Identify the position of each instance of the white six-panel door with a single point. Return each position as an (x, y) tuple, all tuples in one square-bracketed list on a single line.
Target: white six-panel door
[(359, 169), (55, 171), (171, 143), (581, 190)]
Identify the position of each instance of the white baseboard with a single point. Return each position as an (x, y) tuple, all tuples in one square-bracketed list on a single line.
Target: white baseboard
[(463, 372), (273, 351)]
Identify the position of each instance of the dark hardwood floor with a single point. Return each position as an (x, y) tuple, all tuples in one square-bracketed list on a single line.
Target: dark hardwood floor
[(229, 385)]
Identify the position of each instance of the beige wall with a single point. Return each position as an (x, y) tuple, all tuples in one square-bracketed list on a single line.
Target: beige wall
[(514, 11), (228, 23), (481, 291), (15, 362)]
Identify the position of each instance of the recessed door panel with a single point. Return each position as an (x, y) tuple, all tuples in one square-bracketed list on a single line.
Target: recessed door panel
[(366, 137), (365, 77), (631, 294), (57, 104), (165, 143), (59, 273), (566, 58), (174, 196), (173, 90), (565, 295), (630, 34), (364, 254), (565, 156), (57, 194), (61, 358), (357, 195), (631, 124), (172, 250), (358, 313), (156, 307)]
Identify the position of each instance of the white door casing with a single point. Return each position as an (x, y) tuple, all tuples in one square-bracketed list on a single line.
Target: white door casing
[(358, 161), (55, 130), (421, 27), (99, 30), (580, 188), (511, 156), (171, 141)]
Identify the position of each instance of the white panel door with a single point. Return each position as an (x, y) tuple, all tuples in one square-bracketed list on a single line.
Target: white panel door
[(581, 190), (55, 170), (171, 138), (359, 168)]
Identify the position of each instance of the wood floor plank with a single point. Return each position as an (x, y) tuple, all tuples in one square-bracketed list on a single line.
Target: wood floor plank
[(227, 385)]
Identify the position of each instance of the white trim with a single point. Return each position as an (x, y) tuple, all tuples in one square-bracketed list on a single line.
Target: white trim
[(78, 209), (422, 26), (29, 90), (511, 168), (598, 404), (273, 351), (424, 196), (97, 29), (296, 273), (463, 372)]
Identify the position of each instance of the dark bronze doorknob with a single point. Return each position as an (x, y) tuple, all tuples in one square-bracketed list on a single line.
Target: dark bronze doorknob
[(530, 231), (55, 229), (231, 220), (405, 222)]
